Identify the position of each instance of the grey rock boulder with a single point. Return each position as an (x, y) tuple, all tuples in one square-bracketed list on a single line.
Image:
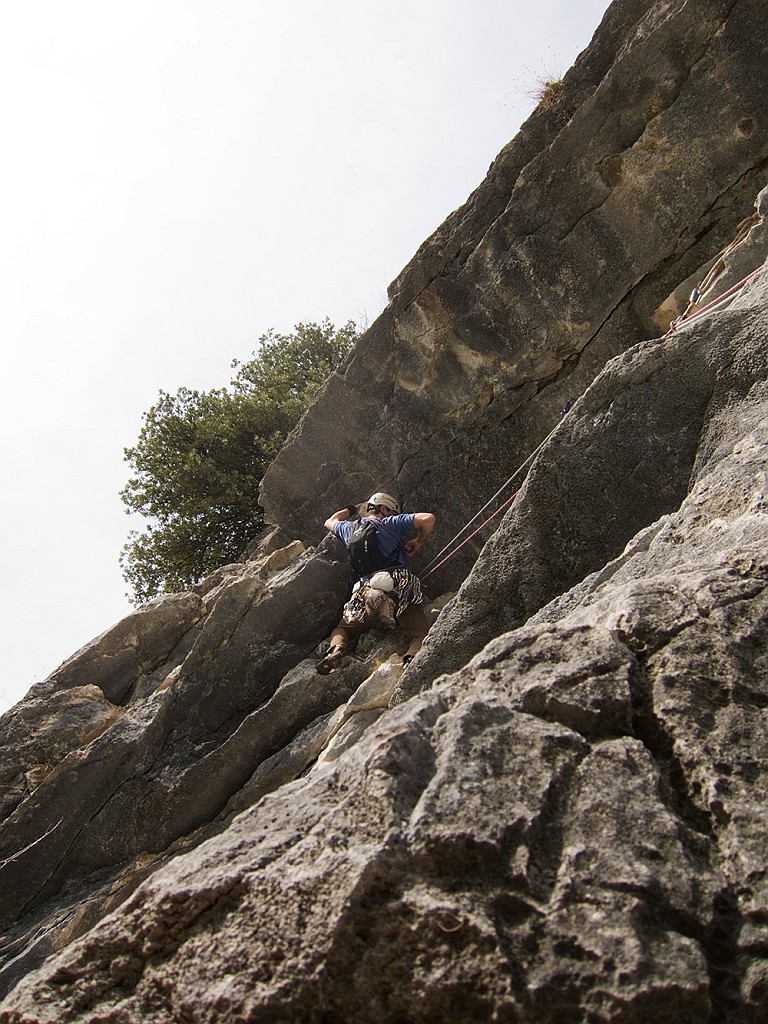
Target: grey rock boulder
[(556, 812)]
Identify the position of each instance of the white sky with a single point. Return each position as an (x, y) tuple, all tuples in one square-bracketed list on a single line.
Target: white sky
[(178, 176)]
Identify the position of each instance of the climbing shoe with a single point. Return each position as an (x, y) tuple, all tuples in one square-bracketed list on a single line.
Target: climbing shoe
[(331, 659)]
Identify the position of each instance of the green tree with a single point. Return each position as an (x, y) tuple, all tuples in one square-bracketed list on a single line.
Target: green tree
[(201, 455)]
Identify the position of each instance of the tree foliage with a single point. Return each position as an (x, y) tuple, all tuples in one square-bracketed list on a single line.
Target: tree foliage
[(201, 455)]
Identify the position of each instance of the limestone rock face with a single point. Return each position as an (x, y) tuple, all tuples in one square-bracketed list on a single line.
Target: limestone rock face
[(571, 826), (96, 792), (622, 458), (586, 223), (556, 812), (42, 731)]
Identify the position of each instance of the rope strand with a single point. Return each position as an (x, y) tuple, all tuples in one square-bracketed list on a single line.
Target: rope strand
[(469, 538), (710, 306), (434, 564), (716, 269), (438, 560)]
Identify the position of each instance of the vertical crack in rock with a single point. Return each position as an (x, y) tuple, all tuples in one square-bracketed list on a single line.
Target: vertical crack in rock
[(650, 730)]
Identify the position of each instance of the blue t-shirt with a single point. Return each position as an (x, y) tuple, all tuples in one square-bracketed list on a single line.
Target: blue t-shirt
[(391, 533)]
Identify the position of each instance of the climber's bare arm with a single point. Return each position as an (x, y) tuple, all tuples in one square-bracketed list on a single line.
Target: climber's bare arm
[(425, 524), (339, 517)]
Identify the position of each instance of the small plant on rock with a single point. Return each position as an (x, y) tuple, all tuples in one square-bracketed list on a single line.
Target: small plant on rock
[(545, 86), (547, 92)]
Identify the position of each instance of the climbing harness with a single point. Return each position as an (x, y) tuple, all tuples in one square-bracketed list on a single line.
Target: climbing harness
[(438, 560), (366, 599)]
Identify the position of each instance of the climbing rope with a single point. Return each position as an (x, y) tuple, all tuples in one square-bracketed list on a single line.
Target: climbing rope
[(714, 272), (690, 314), (469, 538), (438, 560), (711, 306)]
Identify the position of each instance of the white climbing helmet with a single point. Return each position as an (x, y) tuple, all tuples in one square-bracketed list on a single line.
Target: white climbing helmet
[(380, 498)]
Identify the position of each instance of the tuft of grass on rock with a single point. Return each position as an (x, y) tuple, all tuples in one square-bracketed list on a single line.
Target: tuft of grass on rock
[(544, 86), (547, 92)]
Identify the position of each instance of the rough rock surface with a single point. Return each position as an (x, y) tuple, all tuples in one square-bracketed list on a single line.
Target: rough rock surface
[(571, 827), (620, 459), (587, 221), (556, 813)]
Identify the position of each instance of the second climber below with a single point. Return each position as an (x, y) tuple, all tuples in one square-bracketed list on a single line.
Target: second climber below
[(384, 589)]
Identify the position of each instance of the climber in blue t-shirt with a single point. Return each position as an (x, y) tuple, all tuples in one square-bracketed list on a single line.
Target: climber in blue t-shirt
[(378, 545)]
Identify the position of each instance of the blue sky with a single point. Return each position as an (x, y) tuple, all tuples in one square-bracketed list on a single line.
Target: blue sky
[(178, 177)]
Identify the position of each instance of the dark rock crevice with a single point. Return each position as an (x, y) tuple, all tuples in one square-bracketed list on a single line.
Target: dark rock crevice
[(675, 786)]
